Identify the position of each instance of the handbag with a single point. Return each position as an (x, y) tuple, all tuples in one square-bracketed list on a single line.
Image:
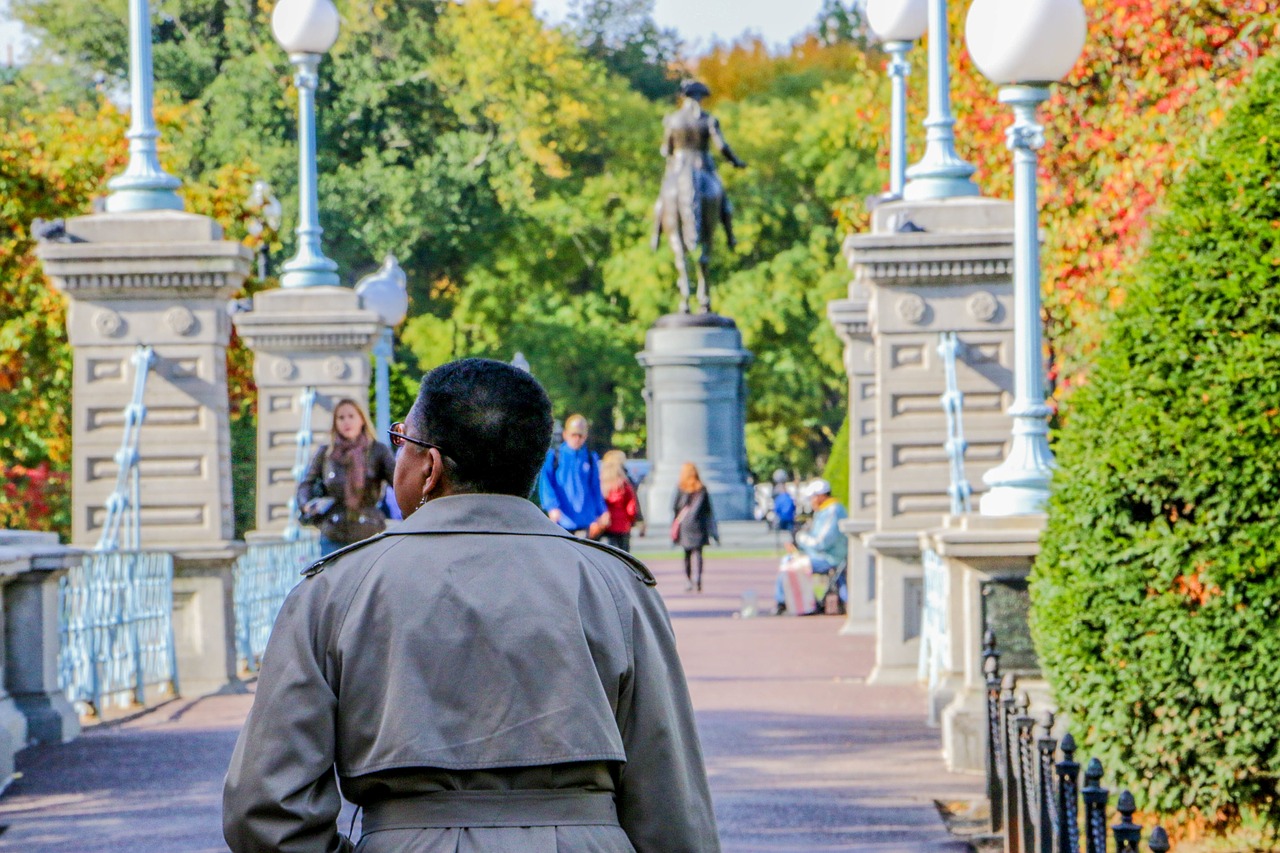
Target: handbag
[(677, 521), (314, 510), (318, 505)]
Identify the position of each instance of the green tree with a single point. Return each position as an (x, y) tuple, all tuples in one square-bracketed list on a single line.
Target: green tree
[(622, 35), (1156, 594)]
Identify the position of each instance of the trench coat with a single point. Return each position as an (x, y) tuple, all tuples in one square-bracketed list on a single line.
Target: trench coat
[(475, 680)]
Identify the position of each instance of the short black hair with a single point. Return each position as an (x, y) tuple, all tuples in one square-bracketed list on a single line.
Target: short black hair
[(491, 420)]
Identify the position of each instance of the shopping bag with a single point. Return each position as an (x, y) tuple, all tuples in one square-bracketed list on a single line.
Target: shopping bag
[(797, 587)]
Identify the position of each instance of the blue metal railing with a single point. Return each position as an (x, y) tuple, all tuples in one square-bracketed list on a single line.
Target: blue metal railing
[(124, 501), (935, 642), (301, 460), (116, 606), (116, 626), (263, 577), (953, 404)]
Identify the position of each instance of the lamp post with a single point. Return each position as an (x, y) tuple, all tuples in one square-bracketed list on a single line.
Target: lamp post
[(1053, 35), (898, 23), (940, 173), (306, 29), (144, 184), (267, 214), (385, 293)]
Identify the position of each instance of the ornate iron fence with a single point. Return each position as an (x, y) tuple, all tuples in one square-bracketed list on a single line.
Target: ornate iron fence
[(263, 577), (116, 628), (1037, 802)]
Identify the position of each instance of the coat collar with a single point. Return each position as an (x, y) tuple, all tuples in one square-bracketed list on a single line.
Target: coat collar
[(480, 514)]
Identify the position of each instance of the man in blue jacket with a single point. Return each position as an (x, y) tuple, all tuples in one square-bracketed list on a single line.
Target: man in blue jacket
[(569, 486)]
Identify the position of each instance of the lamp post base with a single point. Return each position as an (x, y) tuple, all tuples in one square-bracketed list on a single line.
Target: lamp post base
[(1004, 501), (310, 273), (133, 200), (941, 174)]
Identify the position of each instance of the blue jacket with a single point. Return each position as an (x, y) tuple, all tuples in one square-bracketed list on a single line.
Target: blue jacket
[(570, 482), (823, 540)]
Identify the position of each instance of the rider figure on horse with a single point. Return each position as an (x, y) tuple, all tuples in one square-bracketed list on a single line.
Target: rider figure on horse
[(692, 197)]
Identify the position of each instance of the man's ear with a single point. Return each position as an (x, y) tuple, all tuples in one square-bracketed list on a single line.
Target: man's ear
[(435, 479)]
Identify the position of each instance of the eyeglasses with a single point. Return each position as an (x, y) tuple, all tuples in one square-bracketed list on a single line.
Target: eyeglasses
[(399, 437)]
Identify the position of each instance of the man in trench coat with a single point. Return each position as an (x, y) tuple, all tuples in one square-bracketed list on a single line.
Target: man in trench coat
[(476, 679)]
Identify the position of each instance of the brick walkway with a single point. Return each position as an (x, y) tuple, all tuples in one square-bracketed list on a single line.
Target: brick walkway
[(803, 755)]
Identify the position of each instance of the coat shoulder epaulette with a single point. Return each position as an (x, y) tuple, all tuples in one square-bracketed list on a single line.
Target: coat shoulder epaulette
[(319, 565), (639, 569)]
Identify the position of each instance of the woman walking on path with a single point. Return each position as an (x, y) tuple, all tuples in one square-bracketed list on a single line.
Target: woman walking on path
[(620, 498), (694, 524), (344, 484)]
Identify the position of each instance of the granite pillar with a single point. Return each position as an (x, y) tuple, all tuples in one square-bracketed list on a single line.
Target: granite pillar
[(926, 268), (302, 336), (696, 395), (157, 278), (988, 560), (852, 322)]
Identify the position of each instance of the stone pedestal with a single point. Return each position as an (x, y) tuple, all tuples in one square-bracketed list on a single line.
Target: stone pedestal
[(899, 605), (925, 268), (204, 619), (32, 708), (985, 558), (159, 278), (695, 389), (300, 337)]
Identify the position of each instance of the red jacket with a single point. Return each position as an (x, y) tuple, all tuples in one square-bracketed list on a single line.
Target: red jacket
[(623, 508)]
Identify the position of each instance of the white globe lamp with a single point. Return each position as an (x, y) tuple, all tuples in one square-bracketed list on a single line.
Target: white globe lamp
[(898, 20), (305, 26), (1026, 42)]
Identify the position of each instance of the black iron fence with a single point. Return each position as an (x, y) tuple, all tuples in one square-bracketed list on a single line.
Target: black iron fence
[(1033, 780)]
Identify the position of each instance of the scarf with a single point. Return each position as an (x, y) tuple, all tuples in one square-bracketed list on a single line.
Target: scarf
[(349, 455)]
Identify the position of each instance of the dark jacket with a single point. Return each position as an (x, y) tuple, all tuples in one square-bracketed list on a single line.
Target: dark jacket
[(699, 524), (326, 478), (477, 648)]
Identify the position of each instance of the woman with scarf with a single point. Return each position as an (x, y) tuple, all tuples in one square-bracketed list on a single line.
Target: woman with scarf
[(346, 480)]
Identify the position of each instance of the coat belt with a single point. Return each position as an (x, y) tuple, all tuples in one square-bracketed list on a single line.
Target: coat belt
[(492, 808)]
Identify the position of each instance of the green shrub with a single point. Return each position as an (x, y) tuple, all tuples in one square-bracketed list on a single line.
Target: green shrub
[(836, 471), (1156, 597)]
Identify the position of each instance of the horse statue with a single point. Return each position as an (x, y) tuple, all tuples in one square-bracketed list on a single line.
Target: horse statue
[(692, 198)]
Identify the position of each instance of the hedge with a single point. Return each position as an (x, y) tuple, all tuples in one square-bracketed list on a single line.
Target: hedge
[(1156, 596)]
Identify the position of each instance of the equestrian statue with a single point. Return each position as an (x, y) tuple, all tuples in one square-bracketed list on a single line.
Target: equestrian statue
[(692, 198)]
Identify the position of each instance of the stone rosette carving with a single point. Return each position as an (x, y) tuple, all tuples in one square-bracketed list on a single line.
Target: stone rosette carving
[(911, 309), (283, 369), (983, 306), (108, 323), (337, 368), (180, 320)]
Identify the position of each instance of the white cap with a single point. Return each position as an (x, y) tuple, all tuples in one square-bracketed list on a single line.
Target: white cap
[(817, 487)]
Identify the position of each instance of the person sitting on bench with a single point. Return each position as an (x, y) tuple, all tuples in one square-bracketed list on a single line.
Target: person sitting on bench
[(822, 544)]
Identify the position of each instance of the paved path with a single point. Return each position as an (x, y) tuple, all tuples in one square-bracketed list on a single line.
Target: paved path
[(803, 755)]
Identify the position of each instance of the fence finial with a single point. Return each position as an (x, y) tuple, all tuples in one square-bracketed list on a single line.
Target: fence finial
[(1126, 832), (1159, 842), (1095, 808)]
